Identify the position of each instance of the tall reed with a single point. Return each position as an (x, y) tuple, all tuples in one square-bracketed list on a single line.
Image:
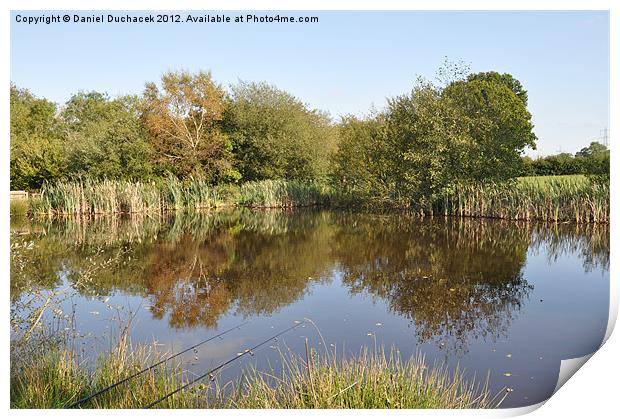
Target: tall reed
[(282, 193), (581, 200), (555, 199), (88, 197)]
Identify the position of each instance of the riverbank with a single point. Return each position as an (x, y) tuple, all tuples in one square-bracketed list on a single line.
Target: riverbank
[(56, 378), (555, 199)]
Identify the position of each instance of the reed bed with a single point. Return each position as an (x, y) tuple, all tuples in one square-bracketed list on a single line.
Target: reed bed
[(88, 197), (556, 199), (282, 194), (19, 207)]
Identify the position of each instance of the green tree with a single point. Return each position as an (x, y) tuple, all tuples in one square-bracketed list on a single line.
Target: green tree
[(105, 137), (527, 168), (183, 120), (500, 127), (36, 145), (506, 79), (562, 164), (428, 143), (590, 160), (476, 128), (595, 148), (360, 161), (275, 135), (594, 159)]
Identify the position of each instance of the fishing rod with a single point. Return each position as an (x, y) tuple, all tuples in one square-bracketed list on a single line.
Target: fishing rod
[(124, 380), (210, 373)]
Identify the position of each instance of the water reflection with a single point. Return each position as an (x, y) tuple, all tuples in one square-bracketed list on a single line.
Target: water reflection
[(455, 280)]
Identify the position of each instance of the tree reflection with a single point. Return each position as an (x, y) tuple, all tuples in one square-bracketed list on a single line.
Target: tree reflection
[(245, 270), (455, 280)]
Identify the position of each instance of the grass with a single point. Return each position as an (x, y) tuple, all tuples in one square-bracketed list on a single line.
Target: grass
[(88, 197), (557, 199), (576, 198), (282, 193), (367, 381), (542, 180), (19, 207), (55, 378)]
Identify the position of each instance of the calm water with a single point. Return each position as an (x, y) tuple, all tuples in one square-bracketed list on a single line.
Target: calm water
[(506, 299)]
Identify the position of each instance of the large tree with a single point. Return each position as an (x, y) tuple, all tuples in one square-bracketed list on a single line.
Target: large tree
[(36, 145), (183, 120), (505, 79), (501, 126), (105, 137), (473, 129), (429, 142), (275, 135)]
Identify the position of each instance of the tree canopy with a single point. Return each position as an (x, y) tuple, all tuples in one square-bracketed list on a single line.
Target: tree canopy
[(36, 146), (183, 121), (276, 136), (467, 128), (590, 160), (104, 137), (475, 128)]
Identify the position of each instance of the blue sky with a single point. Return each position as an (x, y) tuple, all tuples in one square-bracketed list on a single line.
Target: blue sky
[(344, 64)]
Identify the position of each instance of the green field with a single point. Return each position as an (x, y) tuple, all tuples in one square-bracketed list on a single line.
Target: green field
[(542, 180)]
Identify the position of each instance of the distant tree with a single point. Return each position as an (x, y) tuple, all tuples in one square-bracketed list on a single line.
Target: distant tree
[(591, 160), (595, 148), (104, 137), (527, 168), (275, 135), (183, 121), (36, 144), (561, 164), (594, 159)]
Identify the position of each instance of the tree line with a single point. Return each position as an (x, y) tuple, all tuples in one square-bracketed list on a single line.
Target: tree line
[(186, 125), (590, 160), (463, 127)]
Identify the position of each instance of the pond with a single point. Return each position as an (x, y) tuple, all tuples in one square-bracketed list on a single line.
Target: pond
[(504, 299)]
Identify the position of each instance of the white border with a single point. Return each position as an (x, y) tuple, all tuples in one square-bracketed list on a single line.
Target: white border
[(593, 392)]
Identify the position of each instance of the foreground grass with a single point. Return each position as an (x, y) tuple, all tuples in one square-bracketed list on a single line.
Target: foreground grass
[(56, 379), (367, 381)]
